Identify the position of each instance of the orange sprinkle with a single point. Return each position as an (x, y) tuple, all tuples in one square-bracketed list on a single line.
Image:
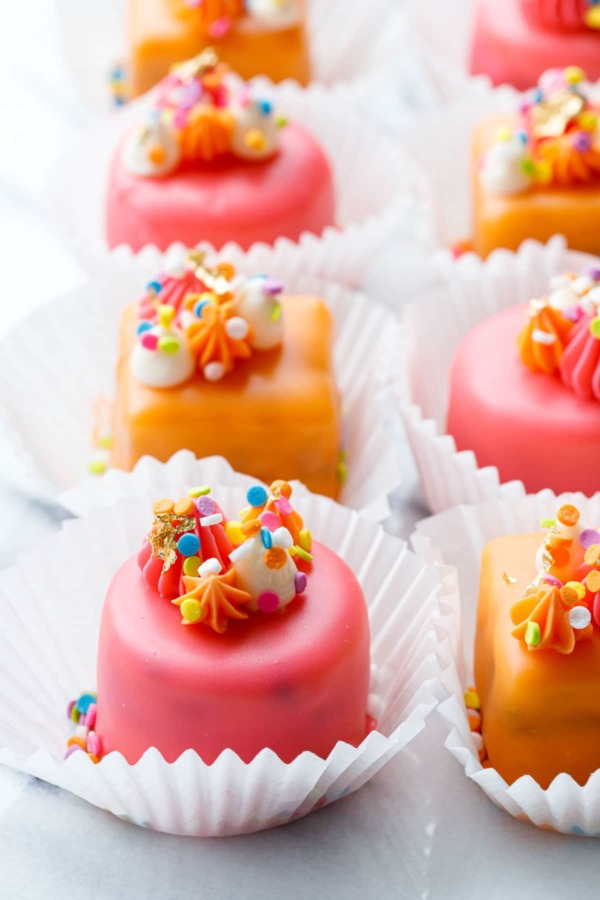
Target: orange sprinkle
[(156, 154), (569, 596), (275, 558), (163, 507), (251, 528), (283, 488), (94, 759), (474, 720), (560, 556), (226, 270), (568, 515), (592, 555), (184, 507), (76, 741), (592, 582)]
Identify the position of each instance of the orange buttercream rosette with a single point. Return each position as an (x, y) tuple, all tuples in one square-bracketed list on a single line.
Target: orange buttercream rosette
[(537, 355), (544, 605)]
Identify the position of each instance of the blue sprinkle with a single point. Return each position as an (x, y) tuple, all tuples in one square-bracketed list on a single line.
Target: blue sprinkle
[(155, 286), (200, 306), (521, 136), (188, 544), (256, 496), (266, 537), (143, 326), (119, 101), (265, 107), (537, 96), (84, 703)]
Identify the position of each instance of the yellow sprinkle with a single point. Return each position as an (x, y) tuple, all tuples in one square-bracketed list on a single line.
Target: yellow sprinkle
[(592, 17), (255, 139), (543, 171), (472, 699), (166, 315), (303, 554), (191, 565), (305, 538), (234, 532), (587, 120), (190, 610), (578, 588), (573, 74), (105, 442), (97, 467)]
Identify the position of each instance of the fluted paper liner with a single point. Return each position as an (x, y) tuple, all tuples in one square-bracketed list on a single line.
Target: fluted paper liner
[(51, 602), (56, 364), (347, 42), (463, 293), (457, 538), (379, 188)]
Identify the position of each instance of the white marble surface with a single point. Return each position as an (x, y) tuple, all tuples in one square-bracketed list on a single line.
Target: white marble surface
[(419, 830)]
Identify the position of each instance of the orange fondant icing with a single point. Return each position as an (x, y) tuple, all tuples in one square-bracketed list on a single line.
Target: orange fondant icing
[(540, 709), (506, 221), (158, 37), (275, 414)]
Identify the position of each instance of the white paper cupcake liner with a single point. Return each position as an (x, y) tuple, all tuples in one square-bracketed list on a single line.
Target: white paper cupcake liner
[(461, 295), (379, 189), (48, 643), (457, 538), (347, 41), (56, 364)]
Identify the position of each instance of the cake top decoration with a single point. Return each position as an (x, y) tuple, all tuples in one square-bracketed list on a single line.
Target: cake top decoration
[(215, 570), (202, 112), (218, 17), (194, 318), (555, 139), (562, 605), (566, 15), (562, 334)]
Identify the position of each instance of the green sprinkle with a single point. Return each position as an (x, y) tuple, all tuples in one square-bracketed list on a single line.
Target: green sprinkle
[(548, 523), (342, 472), (75, 714), (532, 634), (595, 327), (200, 491), (106, 442), (528, 166), (276, 314), (97, 467), (303, 554), (168, 344), (191, 566), (281, 121)]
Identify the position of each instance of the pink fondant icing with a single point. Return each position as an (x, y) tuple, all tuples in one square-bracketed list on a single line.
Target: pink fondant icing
[(531, 426), (511, 47), (226, 200), (580, 364), (291, 681)]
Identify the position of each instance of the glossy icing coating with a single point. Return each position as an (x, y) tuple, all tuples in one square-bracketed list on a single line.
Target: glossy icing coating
[(540, 710), (293, 681), (226, 200), (510, 46), (530, 426), (276, 415), (158, 38), (506, 221)]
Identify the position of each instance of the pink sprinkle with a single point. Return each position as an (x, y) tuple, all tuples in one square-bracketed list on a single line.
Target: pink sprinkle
[(550, 579), (589, 537), (219, 27), (270, 520), (93, 744), (91, 716), (596, 611), (149, 341), (70, 709), (272, 287), (221, 97), (74, 748), (284, 506), (268, 601)]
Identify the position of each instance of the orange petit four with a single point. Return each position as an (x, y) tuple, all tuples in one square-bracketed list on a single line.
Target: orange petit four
[(537, 173), (260, 37), (227, 366), (537, 651)]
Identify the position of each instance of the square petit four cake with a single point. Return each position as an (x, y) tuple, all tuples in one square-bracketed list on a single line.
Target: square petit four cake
[(537, 651), (537, 172), (255, 37), (231, 366)]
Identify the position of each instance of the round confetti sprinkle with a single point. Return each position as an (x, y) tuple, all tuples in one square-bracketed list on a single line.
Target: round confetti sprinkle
[(592, 582), (199, 307), (268, 601), (569, 596), (579, 617), (191, 566), (592, 555), (237, 328), (560, 556), (163, 507), (84, 702), (143, 326), (595, 327), (284, 506), (76, 742), (472, 700), (300, 582), (275, 558), (577, 587), (270, 520), (550, 579), (266, 538), (257, 495), (589, 537), (568, 515), (149, 341), (234, 532), (205, 506), (191, 610), (184, 507), (75, 713), (532, 634), (188, 544), (214, 371), (168, 344), (154, 286)]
